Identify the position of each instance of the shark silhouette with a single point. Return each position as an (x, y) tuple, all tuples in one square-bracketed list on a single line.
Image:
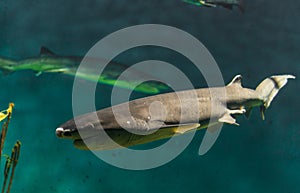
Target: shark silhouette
[(154, 124), (49, 62)]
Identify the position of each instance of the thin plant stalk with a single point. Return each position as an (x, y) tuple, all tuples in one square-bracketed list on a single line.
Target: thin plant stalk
[(14, 161), (6, 172)]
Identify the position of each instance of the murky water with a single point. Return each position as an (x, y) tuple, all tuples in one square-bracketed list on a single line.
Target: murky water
[(258, 156)]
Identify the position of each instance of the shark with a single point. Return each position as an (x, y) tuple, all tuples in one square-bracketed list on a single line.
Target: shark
[(228, 4), (166, 115), (49, 62)]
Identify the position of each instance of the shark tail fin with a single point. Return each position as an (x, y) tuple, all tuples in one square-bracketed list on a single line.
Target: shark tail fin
[(241, 5), (269, 88)]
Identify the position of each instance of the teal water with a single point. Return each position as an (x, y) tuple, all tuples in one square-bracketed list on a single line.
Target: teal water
[(258, 156)]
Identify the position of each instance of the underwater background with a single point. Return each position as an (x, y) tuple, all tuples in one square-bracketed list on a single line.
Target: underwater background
[(258, 156)]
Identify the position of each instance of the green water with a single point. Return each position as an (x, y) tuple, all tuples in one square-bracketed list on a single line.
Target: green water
[(258, 156)]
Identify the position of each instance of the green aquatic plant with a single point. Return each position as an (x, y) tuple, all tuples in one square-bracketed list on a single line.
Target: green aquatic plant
[(49, 62), (11, 161)]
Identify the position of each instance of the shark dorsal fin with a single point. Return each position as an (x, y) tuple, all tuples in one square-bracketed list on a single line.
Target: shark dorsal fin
[(237, 80), (46, 52)]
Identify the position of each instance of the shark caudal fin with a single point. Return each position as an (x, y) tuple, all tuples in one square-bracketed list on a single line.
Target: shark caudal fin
[(241, 5), (269, 88)]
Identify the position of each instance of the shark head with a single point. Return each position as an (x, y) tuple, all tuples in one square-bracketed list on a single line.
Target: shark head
[(7, 65)]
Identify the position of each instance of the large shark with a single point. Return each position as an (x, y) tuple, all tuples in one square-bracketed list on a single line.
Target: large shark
[(49, 62), (166, 115), (228, 4)]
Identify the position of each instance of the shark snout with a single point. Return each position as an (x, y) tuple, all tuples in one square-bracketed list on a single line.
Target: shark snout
[(69, 130), (64, 133), (59, 132)]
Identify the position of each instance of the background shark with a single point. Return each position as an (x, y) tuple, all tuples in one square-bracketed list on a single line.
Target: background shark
[(228, 4), (48, 62)]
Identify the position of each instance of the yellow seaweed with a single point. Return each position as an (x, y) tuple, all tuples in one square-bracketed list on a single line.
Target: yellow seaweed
[(11, 161), (7, 112)]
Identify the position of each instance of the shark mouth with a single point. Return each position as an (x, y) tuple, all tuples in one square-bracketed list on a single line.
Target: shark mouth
[(67, 133), (75, 135)]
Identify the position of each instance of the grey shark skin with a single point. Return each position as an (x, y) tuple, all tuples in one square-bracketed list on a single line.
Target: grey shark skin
[(224, 3), (174, 119)]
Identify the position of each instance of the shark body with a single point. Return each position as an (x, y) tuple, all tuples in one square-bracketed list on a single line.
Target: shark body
[(49, 62), (165, 115), (228, 4)]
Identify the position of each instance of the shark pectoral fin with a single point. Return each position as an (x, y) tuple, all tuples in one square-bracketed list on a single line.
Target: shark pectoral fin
[(185, 128), (227, 118), (38, 73), (248, 112)]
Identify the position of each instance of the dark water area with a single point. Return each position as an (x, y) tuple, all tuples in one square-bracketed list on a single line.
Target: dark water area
[(257, 156)]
